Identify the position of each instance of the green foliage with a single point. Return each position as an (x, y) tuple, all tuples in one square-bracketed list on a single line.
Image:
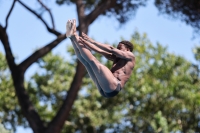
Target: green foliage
[(159, 123), (48, 87), (162, 94), (9, 108), (196, 52), (161, 82)]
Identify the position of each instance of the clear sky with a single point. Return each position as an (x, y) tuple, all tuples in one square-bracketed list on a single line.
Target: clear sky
[(27, 33)]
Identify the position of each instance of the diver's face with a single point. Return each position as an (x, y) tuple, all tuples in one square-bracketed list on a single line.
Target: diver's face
[(122, 47)]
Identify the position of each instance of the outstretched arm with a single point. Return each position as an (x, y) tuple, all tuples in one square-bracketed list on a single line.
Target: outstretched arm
[(102, 46), (91, 46), (110, 49)]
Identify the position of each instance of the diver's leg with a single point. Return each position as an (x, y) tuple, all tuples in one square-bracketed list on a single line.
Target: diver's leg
[(88, 68), (105, 78)]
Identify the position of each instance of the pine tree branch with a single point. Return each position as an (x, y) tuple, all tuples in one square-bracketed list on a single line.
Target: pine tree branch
[(9, 55), (53, 31), (49, 11), (101, 7), (11, 9)]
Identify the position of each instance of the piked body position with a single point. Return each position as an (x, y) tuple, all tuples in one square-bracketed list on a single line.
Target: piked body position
[(108, 81)]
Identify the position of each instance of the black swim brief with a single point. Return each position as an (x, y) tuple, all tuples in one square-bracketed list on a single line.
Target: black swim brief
[(113, 93)]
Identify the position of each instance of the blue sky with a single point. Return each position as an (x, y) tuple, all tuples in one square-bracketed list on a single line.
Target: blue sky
[(27, 33)]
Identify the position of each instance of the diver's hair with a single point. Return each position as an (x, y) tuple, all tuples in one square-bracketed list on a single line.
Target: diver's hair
[(128, 44)]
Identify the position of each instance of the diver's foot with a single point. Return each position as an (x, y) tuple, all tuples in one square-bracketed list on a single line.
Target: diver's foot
[(69, 29)]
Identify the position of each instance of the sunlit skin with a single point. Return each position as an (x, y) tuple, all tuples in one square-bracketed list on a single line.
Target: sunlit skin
[(105, 79), (122, 68)]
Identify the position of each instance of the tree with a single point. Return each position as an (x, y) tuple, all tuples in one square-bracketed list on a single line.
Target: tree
[(185, 10), (121, 9), (162, 94)]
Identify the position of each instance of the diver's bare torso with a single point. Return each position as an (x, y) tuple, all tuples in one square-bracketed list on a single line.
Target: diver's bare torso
[(122, 69)]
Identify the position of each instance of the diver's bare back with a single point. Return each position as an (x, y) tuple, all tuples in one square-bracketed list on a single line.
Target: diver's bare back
[(122, 69)]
